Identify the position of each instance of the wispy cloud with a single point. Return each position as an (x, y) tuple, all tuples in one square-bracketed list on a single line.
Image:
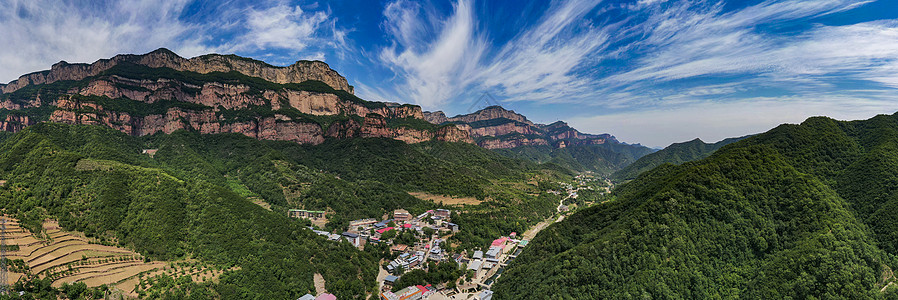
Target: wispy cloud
[(433, 69), (38, 33), (563, 56), (439, 62)]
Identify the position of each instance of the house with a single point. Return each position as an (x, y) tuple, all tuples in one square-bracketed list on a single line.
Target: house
[(475, 266), (493, 252), (333, 237), (326, 296), (382, 224), (399, 248), (401, 215), (443, 213), (500, 242), (353, 238), (390, 280), (362, 222), (307, 297), (478, 254), (306, 214), (486, 295), (452, 226), (409, 293), (382, 230)]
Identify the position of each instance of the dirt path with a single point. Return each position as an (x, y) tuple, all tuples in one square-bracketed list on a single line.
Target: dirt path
[(531, 233), (319, 284)]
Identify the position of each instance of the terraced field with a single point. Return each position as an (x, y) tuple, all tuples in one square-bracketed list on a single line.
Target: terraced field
[(68, 257)]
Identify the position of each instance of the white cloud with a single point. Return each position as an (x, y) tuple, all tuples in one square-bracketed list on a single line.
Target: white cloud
[(440, 58), (436, 70), (38, 33), (283, 27), (686, 41)]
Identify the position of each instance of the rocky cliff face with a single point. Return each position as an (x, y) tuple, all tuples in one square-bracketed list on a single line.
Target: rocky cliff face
[(497, 128), (138, 98), (296, 73), (511, 143), (142, 106), (375, 125), (491, 113), (437, 117), (15, 123)]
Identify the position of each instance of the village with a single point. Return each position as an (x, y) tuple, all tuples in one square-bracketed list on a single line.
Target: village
[(430, 231)]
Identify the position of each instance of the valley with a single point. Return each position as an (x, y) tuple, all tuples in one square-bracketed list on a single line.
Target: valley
[(162, 177)]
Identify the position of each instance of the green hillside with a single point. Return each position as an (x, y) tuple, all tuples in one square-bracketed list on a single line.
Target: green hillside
[(190, 200), (800, 212), (676, 153), (602, 158)]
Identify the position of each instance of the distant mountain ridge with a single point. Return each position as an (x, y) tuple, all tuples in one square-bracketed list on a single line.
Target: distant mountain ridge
[(676, 153), (495, 127)]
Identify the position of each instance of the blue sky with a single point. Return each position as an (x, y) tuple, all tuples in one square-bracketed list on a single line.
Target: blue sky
[(648, 71)]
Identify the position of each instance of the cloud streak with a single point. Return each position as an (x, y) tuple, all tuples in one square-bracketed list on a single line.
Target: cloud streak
[(38, 33), (537, 64)]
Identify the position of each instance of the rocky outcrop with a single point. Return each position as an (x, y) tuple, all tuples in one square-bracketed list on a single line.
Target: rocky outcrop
[(491, 113), (375, 125), (437, 117), (72, 111), (15, 123), (295, 73), (503, 129), (495, 127), (511, 143)]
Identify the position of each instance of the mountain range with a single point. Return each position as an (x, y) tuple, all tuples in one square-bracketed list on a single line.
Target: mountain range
[(305, 103)]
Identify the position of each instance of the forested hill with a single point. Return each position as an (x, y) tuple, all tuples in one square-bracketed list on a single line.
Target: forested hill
[(194, 199), (676, 153), (603, 158), (802, 211)]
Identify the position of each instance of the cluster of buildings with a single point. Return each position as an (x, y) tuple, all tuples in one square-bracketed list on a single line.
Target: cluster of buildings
[(369, 230), (410, 293)]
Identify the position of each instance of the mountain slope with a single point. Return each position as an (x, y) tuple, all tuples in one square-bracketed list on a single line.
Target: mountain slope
[(192, 198), (676, 153), (94, 180), (800, 211), (603, 158)]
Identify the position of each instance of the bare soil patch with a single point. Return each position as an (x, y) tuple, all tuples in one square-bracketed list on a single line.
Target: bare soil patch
[(445, 200)]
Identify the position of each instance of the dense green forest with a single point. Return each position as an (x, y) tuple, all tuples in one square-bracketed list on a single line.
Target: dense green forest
[(603, 158), (800, 212), (676, 153)]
